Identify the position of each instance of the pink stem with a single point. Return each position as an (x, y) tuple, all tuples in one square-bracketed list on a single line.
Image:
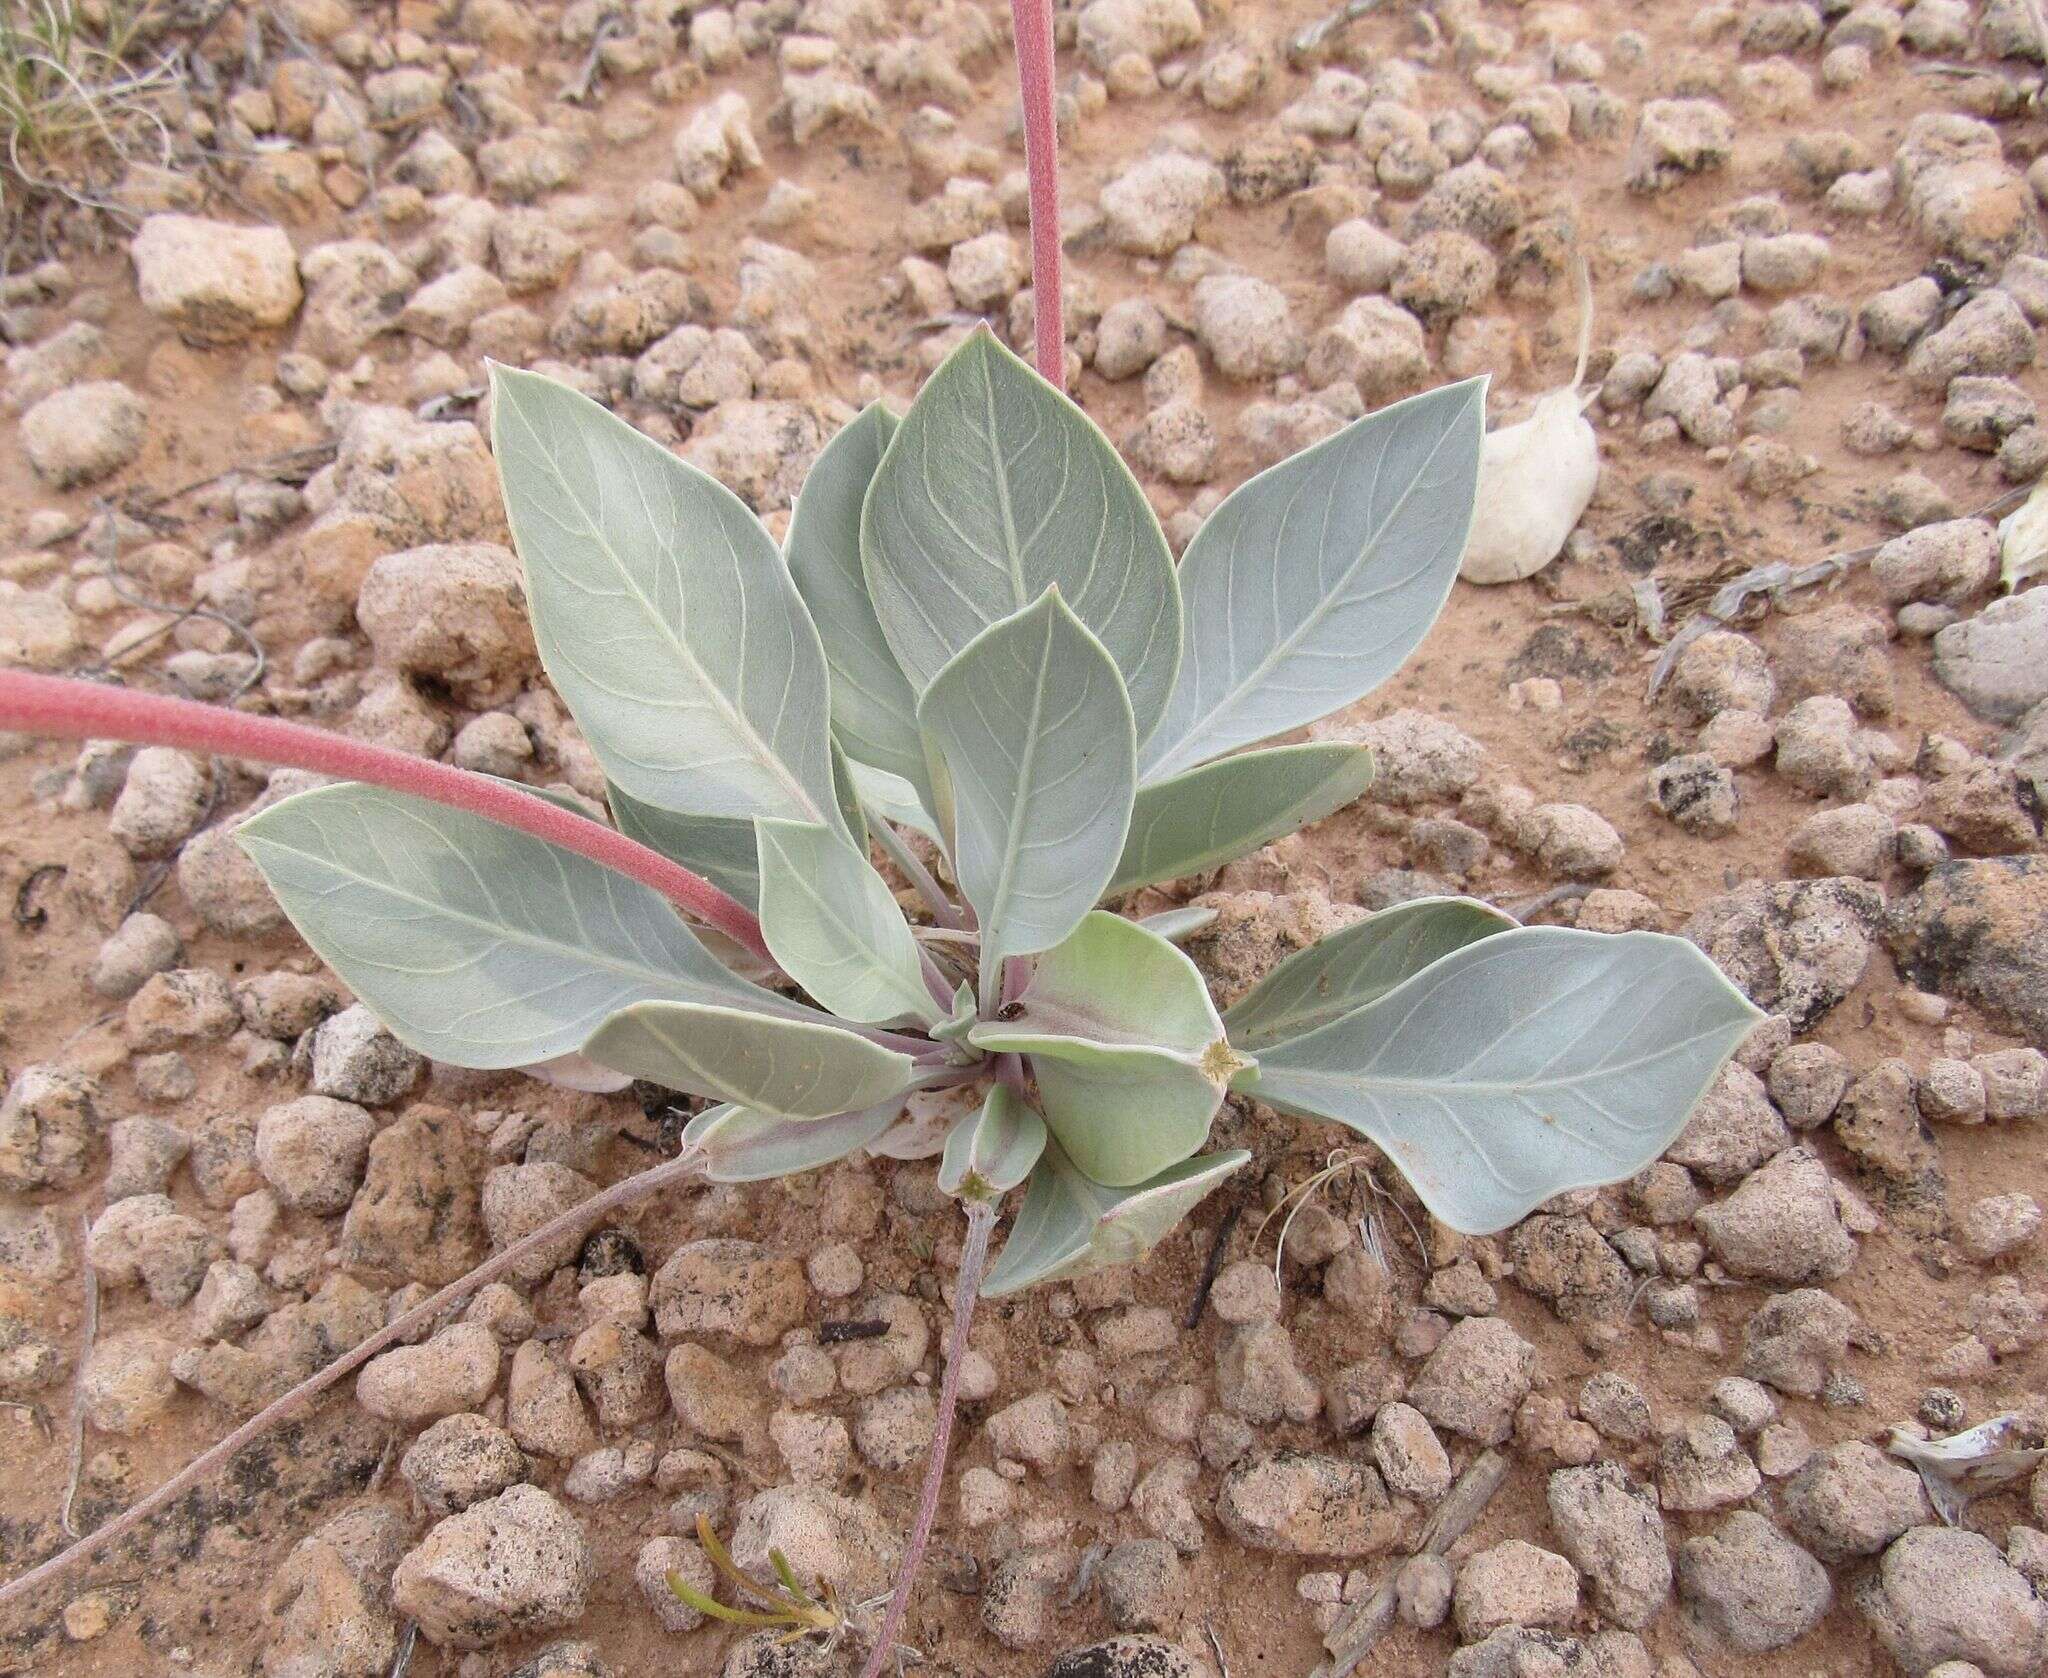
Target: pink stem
[(69, 709), (421, 1316), (1031, 24), (981, 1223)]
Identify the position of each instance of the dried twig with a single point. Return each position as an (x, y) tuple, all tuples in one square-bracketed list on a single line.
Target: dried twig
[(88, 1333), (421, 1316), (1216, 1643), (578, 87), (837, 1334), (1304, 44), (1772, 583), (1212, 1266), (1353, 1637), (27, 912), (1084, 1575)]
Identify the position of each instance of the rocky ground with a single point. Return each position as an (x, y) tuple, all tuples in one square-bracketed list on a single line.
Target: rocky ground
[(249, 468)]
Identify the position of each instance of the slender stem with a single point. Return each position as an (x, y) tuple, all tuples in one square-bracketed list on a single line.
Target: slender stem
[(944, 910), (981, 1223), (1031, 24), (69, 709), (421, 1316), (935, 982)]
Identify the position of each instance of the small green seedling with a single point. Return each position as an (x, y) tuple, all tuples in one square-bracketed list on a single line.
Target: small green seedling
[(791, 1609)]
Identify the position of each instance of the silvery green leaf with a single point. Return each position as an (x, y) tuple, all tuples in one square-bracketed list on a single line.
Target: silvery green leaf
[(1537, 1060), (476, 944), (893, 799), (874, 711), (663, 613), (575, 1071), (1069, 1226), (1205, 817), (1177, 926), (955, 1027), (1316, 579), (993, 1149), (723, 848), (1357, 965), (996, 488), (1032, 726), (1128, 1052), (833, 924), (741, 1145), (798, 1069)]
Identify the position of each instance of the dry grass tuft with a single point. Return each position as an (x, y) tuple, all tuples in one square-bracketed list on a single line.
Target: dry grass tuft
[(83, 84)]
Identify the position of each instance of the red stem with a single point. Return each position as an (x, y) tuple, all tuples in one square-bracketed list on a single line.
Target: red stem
[(981, 1223), (1031, 25), (68, 709)]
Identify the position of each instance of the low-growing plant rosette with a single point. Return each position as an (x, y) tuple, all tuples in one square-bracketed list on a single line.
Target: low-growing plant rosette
[(974, 647)]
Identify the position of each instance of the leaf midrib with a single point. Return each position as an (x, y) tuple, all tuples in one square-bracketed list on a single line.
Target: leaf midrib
[(865, 950), (676, 983), (740, 725), (1169, 762)]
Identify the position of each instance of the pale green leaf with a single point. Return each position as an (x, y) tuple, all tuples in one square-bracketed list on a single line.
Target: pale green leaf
[(956, 1025), (1357, 965), (835, 928), (1177, 926), (1126, 1046), (1034, 731), (1122, 1111), (1069, 1226), (996, 488), (1537, 1060), (797, 1069), (723, 848), (1112, 981), (893, 799), (874, 711), (741, 1145), (663, 613), (475, 943), (1316, 579), (992, 1150), (1205, 817)]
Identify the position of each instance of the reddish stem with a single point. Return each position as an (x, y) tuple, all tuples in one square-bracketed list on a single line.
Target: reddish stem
[(981, 1223), (1031, 25), (421, 1316), (69, 709)]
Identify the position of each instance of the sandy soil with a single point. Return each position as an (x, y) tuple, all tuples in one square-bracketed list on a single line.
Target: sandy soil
[(192, 1603)]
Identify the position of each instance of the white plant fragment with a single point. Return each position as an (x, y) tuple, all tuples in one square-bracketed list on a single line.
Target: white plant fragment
[(1536, 476)]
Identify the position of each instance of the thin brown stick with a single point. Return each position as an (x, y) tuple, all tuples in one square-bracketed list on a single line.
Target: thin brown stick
[(1353, 1637), (981, 1223), (88, 1333), (1212, 1266), (421, 1316)]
